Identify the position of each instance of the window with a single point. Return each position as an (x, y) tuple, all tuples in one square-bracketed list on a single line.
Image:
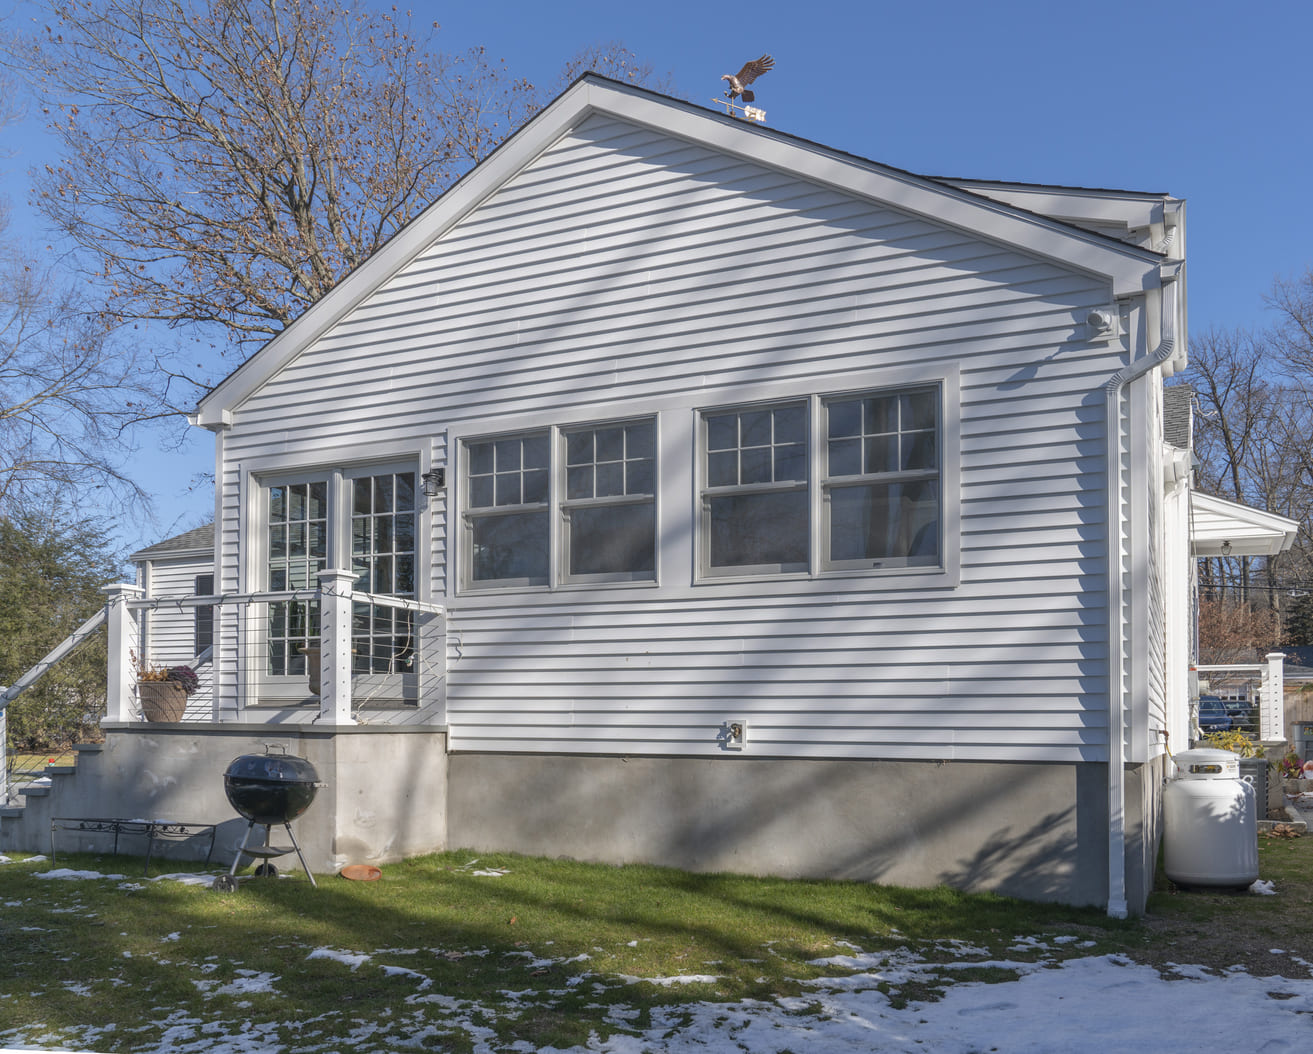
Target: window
[(755, 503), (383, 561), (587, 494), (203, 586), (297, 517), (507, 510), (610, 504), (882, 479), (365, 519), (866, 496)]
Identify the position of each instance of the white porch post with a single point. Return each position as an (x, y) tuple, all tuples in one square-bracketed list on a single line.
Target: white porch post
[(120, 677), (335, 640), (1272, 714)]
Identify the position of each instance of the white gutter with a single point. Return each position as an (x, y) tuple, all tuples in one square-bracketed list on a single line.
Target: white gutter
[(1113, 389)]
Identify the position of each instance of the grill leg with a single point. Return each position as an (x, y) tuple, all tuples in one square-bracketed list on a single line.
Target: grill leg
[(296, 845), (237, 860)]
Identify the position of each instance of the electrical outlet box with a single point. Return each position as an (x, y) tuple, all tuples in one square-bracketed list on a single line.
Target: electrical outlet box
[(734, 734)]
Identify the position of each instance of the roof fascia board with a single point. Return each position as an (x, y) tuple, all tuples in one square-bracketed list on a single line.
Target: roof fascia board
[(1102, 206), (1129, 269), (1132, 270)]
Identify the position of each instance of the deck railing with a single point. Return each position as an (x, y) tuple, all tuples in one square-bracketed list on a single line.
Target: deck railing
[(336, 622), (1271, 693)]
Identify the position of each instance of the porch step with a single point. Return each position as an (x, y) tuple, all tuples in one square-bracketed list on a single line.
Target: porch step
[(60, 770), (11, 812), (33, 790)]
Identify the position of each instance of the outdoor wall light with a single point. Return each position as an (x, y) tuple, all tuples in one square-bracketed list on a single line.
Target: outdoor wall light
[(1226, 548), (434, 481)]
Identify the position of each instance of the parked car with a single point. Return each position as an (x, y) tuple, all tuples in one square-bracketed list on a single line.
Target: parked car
[(1213, 715), (1242, 714)]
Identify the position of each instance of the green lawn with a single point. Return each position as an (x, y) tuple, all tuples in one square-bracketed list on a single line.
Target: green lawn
[(541, 951)]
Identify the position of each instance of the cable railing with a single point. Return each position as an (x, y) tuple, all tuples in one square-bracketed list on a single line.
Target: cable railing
[(329, 654)]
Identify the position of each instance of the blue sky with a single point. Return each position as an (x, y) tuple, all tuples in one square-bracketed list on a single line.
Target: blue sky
[(1202, 100)]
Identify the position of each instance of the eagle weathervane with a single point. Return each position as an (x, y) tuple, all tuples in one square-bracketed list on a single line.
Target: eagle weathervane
[(738, 88)]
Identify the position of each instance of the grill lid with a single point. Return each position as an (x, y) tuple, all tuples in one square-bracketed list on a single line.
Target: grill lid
[(270, 788), (274, 768)]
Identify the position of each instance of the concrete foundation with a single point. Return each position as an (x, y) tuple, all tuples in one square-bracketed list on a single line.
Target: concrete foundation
[(1032, 830), (1037, 831), (384, 795)]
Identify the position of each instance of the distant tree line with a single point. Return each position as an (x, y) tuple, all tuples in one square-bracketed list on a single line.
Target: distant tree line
[(1253, 435)]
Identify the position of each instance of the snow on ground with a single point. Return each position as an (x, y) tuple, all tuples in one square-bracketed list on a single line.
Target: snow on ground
[(1083, 1006)]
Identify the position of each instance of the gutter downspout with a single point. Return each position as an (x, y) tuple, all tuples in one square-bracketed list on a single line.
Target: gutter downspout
[(1113, 390)]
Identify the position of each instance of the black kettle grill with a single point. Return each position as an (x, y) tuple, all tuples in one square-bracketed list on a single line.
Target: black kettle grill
[(268, 789)]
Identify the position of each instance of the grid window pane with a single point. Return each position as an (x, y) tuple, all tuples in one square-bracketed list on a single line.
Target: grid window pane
[(722, 468), (298, 550), (383, 533)]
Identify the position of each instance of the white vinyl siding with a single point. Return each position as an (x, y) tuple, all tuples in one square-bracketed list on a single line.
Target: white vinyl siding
[(167, 634), (626, 274)]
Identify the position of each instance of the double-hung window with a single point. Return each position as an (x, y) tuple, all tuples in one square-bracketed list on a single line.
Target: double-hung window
[(882, 492), (755, 506), (561, 505), (827, 483)]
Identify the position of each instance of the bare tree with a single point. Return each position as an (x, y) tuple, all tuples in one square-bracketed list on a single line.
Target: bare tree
[(1235, 631), (68, 391), (1293, 300), (227, 161), (1251, 437)]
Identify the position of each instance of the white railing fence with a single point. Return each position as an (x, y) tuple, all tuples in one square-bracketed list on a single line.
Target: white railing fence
[(333, 648)]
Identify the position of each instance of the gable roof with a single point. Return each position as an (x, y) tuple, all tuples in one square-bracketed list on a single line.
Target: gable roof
[(1128, 268), (199, 540), (1216, 522)]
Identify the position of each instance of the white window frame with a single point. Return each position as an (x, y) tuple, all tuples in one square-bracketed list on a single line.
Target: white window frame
[(558, 508)]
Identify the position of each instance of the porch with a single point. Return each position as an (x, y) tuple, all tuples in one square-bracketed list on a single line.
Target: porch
[(372, 727)]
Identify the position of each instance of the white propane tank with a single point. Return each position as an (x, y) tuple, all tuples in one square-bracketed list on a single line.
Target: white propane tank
[(1210, 822)]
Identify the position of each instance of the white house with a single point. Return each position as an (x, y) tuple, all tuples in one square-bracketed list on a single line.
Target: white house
[(787, 513)]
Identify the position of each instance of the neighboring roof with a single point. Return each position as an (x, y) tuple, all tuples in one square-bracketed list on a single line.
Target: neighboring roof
[(197, 540), (1216, 522), (1128, 268), (1178, 404)]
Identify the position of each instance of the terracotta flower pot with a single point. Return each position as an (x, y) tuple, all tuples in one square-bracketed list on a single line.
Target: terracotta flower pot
[(162, 700)]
